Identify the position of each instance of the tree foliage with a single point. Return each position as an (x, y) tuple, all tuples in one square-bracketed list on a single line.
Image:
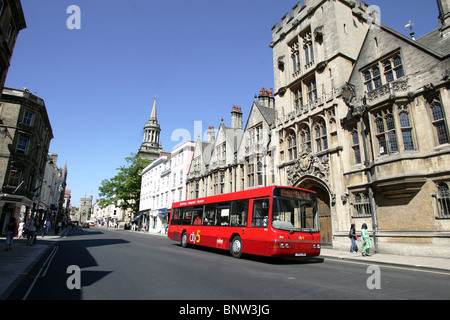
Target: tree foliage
[(124, 189)]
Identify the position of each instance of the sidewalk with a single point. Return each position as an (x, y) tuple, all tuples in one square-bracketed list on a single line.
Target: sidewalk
[(384, 258), (17, 262)]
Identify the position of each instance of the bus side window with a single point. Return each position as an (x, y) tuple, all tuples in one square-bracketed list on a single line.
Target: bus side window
[(187, 216), (239, 213), (223, 214), (197, 215), (260, 215), (210, 214), (175, 216)]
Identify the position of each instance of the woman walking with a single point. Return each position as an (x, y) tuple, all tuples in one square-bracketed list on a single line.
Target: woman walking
[(366, 244)]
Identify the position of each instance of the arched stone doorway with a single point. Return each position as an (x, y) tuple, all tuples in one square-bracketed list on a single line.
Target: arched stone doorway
[(324, 207)]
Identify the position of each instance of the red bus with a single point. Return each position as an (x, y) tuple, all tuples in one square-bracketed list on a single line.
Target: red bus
[(269, 221)]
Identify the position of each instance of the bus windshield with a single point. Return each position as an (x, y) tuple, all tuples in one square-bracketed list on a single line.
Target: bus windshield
[(294, 214)]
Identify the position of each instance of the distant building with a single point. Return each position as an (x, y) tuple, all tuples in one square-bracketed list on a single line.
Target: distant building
[(51, 197), (25, 135), (84, 211)]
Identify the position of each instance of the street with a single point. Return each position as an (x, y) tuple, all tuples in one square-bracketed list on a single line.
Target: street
[(126, 265)]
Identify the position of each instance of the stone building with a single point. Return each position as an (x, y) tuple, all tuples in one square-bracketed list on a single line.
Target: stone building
[(239, 157), (363, 124), (25, 135), (360, 116), (314, 50), (396, 150), (12, 21)]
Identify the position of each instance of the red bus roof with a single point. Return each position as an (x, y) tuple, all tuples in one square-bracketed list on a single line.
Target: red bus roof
[(245, 194)]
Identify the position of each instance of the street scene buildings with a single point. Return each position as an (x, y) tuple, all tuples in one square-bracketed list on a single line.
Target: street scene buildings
[(352, 116), (358, 113)]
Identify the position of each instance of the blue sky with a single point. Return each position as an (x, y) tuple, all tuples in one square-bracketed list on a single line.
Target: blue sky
[(200, 57)]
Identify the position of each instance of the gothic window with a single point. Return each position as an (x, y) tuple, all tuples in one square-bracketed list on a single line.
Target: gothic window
[(361, 205), (295, 56), (321, 136), (312, 90), (438, 121), (259, 167), (406, 128), (308, 47), (392, 70), (298, 98), (250, 173), (386, 137), (443, 199), (292, 146), (355, 147), (222, 183), (306, 139)]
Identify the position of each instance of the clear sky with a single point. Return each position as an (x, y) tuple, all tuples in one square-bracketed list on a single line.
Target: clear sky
[(199, 57)]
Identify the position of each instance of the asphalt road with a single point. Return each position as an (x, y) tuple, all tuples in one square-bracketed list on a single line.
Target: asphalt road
[(102, 264)]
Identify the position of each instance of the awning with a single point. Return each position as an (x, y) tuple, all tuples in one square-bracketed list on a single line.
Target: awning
[(137, 217)]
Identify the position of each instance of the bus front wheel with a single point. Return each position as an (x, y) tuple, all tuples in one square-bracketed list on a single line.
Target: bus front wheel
[(236, 247)]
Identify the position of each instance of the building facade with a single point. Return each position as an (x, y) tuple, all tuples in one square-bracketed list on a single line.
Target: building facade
[(51, 197), (396, 156), (164, 182), (12, 21), (360, 116), (25, 135), (154, 200)]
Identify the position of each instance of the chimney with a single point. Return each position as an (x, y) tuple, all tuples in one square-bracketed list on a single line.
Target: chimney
[(236, 118), (266, 98), (210, 135), (444, 16)]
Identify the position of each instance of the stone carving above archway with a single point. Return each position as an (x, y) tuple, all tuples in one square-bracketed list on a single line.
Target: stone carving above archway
[(308, 164)]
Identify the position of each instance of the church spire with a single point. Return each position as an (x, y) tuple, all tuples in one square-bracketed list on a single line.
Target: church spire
[(150, 147), (153, 114)]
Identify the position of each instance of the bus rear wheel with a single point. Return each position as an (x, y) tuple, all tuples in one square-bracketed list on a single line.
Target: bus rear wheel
[(184, 239), (236, 247)]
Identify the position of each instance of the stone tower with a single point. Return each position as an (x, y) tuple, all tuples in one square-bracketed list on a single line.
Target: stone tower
[(150, 147)]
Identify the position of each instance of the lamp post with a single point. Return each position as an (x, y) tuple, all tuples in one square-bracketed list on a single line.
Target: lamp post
[(348, 94)]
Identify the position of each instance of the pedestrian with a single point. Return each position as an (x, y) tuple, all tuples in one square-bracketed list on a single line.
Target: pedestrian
[(365, 239), (31, 231), (20, 231), (10, 229), (44, 228), (353, 239)]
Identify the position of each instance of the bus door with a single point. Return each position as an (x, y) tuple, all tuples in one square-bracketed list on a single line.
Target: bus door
[(257, 232)]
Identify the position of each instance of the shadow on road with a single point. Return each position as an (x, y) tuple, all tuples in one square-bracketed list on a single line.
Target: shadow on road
[(262, 259)]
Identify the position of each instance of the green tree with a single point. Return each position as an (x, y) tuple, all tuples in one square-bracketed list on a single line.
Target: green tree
[(124, 189)]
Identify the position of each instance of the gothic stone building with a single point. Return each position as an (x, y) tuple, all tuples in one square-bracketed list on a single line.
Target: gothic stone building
[(380, 155), (359, 113)]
